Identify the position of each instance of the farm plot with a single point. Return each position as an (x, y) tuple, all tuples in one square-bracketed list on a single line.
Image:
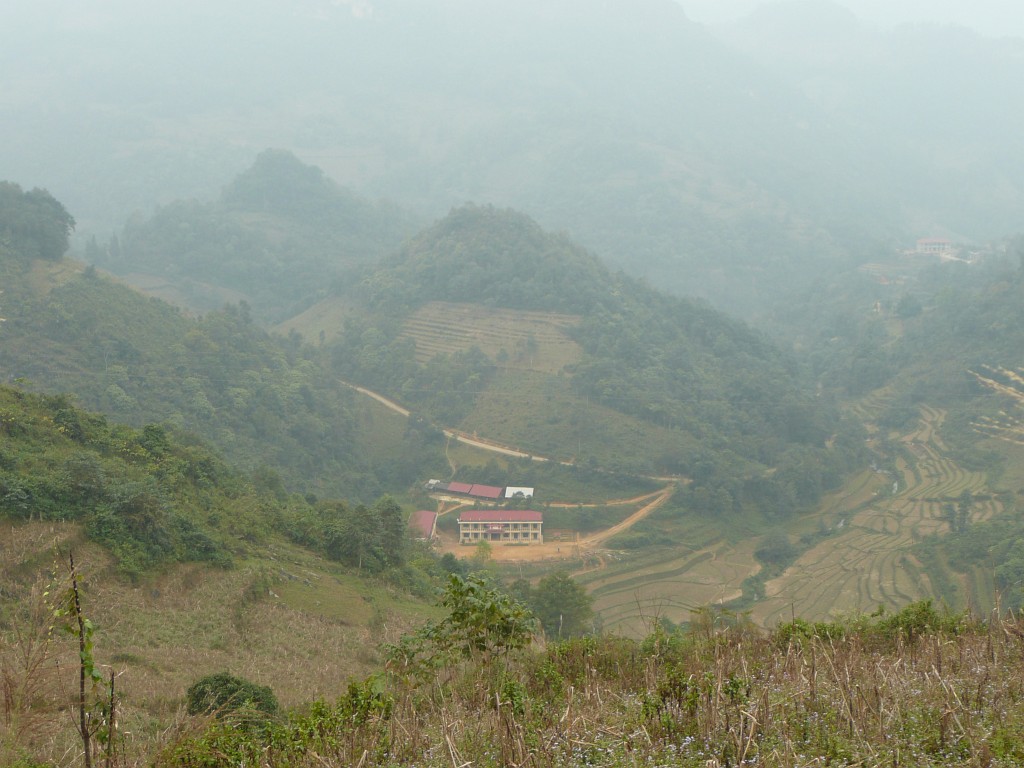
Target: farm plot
[(864, 563), (669, 587), (535, 341)]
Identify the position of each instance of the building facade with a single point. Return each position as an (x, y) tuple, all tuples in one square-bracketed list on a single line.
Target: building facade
[(507, 526)]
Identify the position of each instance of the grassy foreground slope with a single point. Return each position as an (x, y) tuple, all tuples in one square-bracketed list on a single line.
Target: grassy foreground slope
[(917, 688), (283, 616)]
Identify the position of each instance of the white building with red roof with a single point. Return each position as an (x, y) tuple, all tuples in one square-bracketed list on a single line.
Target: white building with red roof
[(508, 526)]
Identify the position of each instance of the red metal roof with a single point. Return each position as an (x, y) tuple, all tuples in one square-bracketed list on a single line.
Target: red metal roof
[(422, 522), (459, 487), (501, 516), (485, 491)]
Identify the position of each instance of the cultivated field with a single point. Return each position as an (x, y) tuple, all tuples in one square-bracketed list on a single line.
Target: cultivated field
[(865, 563), (535, 341), (632, 591)]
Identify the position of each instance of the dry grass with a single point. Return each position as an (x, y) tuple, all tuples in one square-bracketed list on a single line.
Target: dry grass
[(285, 619), (716, 697)]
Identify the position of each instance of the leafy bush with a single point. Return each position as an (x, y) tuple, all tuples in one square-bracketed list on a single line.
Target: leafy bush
[(224, 694)]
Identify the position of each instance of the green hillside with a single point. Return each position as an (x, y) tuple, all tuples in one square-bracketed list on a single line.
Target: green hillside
[(620, 376), (268, 403), (153, 496)]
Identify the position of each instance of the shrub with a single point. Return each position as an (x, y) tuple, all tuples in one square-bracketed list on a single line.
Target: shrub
[(224, 694)]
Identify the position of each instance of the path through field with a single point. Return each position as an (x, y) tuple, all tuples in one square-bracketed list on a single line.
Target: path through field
[(462, 437)]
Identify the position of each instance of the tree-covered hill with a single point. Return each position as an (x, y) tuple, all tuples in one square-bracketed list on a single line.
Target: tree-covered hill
[(730, 409), (154, 496), (268, 403), (279, 234)]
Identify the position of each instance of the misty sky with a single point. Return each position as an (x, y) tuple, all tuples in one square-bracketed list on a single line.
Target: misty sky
[(988, 17)]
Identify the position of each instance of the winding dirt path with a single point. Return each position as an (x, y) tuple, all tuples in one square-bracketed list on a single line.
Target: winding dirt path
[(462, 437), (588, 545), (596, 539)]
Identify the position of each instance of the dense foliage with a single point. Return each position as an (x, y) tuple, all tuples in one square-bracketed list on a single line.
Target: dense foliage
[(154, 496), (33, 224), (149, 498), (224, 694), (561, 605)]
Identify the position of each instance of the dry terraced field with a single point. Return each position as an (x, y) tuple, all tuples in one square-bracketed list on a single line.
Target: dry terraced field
[(632, 592), (865, 562), (535, 341)]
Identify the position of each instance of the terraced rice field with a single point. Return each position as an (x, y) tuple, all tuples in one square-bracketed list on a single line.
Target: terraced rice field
[(534, 341), (629, 595), (865, 563)]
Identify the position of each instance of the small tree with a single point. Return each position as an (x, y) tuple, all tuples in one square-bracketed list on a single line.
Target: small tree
[(482, 623), (96, 713), (563, 606)]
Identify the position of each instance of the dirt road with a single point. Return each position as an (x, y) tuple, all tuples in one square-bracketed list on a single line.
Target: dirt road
[(595, 540)]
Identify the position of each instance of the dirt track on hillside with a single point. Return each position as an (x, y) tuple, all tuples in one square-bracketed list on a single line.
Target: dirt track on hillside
[(549, 550), (595, 540), (559, 550)]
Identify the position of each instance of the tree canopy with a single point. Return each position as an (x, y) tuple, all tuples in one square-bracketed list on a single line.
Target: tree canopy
[(33, 224)]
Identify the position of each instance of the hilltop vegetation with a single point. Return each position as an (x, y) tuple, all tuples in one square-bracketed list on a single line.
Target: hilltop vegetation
[(718, 402), (279, 234)]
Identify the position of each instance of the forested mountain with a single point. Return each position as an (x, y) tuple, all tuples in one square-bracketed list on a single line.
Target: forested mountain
[(733, 169), (280, 232), (714, 400)]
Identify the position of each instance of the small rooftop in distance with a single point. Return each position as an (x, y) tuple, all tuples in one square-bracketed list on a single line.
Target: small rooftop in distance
[(422, 523), (485, 491)]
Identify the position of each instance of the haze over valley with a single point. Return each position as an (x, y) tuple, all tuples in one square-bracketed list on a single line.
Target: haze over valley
[(444, 356)]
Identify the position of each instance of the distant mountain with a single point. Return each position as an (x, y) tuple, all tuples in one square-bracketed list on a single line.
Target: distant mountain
[(736, 170), (280, 233)]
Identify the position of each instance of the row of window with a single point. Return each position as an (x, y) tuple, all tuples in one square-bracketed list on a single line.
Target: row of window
[(477, 535)]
